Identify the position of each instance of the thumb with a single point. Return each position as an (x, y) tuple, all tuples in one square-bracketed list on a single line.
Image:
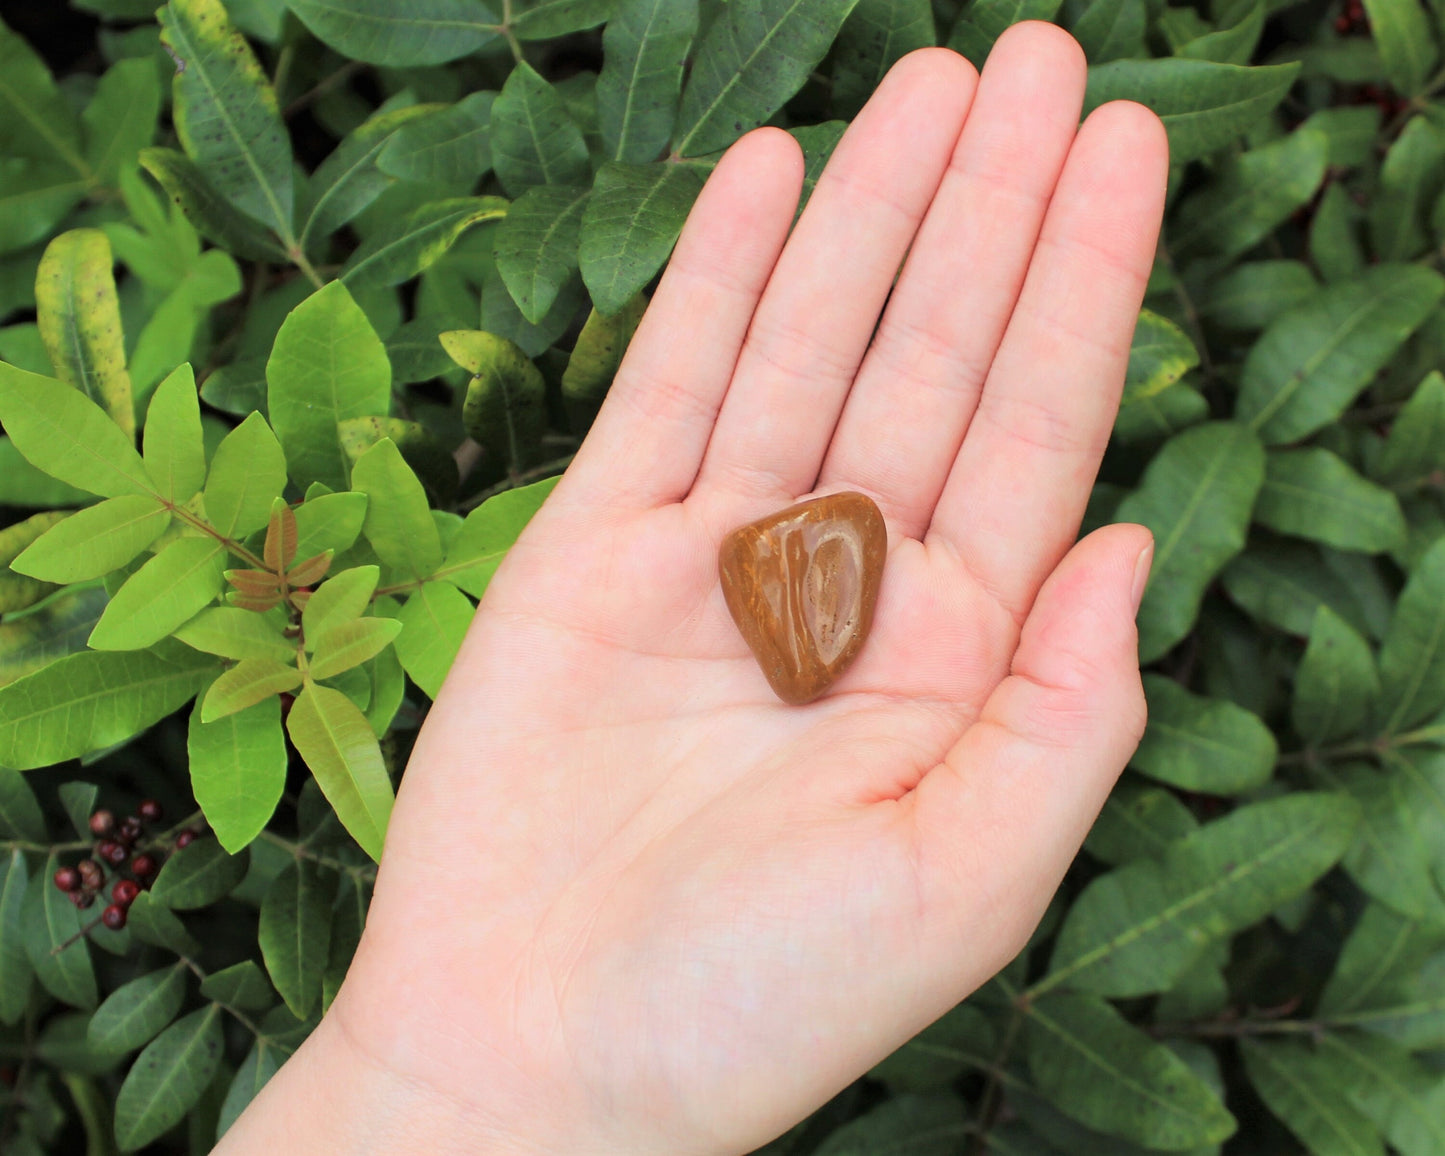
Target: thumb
[(1001, 818)]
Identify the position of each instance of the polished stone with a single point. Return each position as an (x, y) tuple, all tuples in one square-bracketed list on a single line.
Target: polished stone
[(801, 585)]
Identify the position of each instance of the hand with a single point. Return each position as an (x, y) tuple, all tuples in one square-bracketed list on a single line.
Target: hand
[(630, 902)]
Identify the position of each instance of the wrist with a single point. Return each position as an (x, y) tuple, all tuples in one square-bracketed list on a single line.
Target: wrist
[(330, 1099)]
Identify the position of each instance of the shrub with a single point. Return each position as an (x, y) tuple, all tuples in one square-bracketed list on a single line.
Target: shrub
[(401, 265)]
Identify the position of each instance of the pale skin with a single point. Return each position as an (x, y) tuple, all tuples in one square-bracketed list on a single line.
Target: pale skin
[(632, 903)]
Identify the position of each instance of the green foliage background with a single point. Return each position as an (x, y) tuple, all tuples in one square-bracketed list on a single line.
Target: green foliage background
[(357, 274)]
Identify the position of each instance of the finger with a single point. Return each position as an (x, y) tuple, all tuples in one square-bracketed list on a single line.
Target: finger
[(905, 417), (648, 439), (1016, 492), (814, 321), (998, 822)]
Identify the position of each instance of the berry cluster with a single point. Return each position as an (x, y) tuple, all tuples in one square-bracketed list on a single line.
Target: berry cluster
[(115, 847), (1352, 19)]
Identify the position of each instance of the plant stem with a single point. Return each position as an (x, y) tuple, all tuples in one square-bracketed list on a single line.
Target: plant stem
[(360, 872)]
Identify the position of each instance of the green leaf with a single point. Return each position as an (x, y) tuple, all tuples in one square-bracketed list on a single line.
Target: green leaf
[(505, 410), (544, 19), (487, 535), (168, 1078), (1415, 447), (534, 139), (1314, 359), (348, 644), (1202, 744), (35, 197), (295, 933), (1111, 29), (169, 589), (17, 592), (906, 1125), (16, 972), (329, 522), (249, 683), (120, 119), (536, 246), (1253, 194), (238, 770), (1404, 1099), (213, 216), (433, 623), (78, 799), (1293, 1080), (20, 816), (36, 120), (595, 359), (347, 920), (1400, 847), (752, 59), (398, 518), (248, 473), (341, 597), (1334, 242), (961, 1039), (1136, 929), (233, 633), (434, 465), (1410, 180), (327, 365), (399, 33), (1337, 683), (134, 1013), (198, 875), (340, 747), (1161, 415), (1204, 105), (242, 985), (985, 20), (1412, 656), (448, 147), (21, 484), (1402, 29), (89, 701), (94, 541), (1312, 493), (1252, 295), (261, 1063), (151, 923), (630, 225), (1196, 497), (175, 452), (399, 251), (79, 319), (49, 920), (1283, 582), (225, 113), (388, 689), (1159, 355), (1104, 1072), (67, 435), (1138, 822), (1381, 964), (349, 180), (644, 48)]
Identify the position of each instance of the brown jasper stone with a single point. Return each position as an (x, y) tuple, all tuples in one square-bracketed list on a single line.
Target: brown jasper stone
[(801, 585)]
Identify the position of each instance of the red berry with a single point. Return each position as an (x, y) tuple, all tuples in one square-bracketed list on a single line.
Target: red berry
[(90, 873), (185, 839), (67, 879), (144, 866), (130, 830), (113, 917), (82, 898), (113, 853), (150, 810), (125, 891), (102, 823)]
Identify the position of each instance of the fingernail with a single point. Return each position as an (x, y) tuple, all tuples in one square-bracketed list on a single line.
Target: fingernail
[(1141, 574)]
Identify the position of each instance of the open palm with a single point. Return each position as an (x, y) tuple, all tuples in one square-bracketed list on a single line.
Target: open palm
[(630, 902)]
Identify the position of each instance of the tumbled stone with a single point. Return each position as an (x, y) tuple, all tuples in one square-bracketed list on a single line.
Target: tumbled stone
[(801, 585)]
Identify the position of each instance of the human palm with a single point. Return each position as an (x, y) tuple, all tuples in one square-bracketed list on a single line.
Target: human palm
[(630, 901)]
